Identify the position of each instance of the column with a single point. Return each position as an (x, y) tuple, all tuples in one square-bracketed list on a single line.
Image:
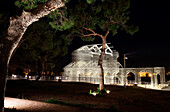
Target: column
[(163, 73), (136, 78), (161, 79), (139, 79), (164, 80), (122, 80), (152, 80), (113, 78), (156, 81)]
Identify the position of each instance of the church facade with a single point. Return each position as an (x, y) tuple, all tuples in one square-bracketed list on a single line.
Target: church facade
[(84, 68)]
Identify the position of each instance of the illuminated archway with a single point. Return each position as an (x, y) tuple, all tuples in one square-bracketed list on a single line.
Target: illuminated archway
[(145, 77), (131, 78), (116, 80), (80, 76), (107, 78), (158, 79)]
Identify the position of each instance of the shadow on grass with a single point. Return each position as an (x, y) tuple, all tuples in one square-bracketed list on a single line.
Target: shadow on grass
[(11, 110), (88, 106)]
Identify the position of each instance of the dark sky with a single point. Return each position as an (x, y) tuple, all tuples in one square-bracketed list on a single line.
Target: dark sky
[(150, 46)]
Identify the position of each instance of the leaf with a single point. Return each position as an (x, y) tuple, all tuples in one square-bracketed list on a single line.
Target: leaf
[(90, 1)]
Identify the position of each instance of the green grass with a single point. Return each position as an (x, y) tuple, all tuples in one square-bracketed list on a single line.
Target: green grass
[(51, 100)]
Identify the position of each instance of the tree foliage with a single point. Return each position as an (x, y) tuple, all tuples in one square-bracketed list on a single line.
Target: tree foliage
[(28, 4), (112, 15), (43, 44)]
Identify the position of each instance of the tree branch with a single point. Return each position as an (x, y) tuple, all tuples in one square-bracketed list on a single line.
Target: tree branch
[(87, 35), (114, 22), (106, 34), (93, 33), (19, 24), (44, 9)]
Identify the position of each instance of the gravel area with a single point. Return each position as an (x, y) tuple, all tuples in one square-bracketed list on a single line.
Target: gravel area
[(36, 106)]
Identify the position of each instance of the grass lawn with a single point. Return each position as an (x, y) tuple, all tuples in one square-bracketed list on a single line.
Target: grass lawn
[(129, 99)]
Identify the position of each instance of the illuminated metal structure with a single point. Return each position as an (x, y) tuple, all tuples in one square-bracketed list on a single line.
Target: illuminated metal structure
[(84, 64), (84, 68)]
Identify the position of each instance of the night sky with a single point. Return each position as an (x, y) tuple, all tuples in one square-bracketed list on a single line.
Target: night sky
[(150, 46)]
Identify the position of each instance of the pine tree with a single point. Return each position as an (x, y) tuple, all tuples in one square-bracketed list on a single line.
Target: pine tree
[(18, 20), (17, 24), (91, 19)]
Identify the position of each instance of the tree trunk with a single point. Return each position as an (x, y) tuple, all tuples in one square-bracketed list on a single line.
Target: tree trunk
[(10, 41), (42, 70), (100, 65), (36, 68), (3, 80)]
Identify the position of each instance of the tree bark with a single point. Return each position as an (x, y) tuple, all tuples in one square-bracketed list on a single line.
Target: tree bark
[(101, 57), (100, 62), (3, 80), (100, 66), (14, 34), (42, 69)]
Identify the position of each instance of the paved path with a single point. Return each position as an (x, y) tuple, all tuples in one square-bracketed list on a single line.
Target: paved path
[(35, 106)]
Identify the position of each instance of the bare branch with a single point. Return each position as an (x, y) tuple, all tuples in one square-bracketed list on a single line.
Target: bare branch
[(90, 30), (93, 33), (87, 35)]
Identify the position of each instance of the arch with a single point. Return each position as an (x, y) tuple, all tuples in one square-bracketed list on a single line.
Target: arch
[(114, 74), (91, 74), (88, 74), (159, 78), (107, 78), (131, 78), (116, 80), (108, 74), (80, 76), (167, 76), (79, 73), (145, 77), (130, 71)]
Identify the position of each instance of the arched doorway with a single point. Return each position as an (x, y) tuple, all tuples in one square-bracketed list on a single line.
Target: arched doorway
[(145, 77), (158, 79), (88, 77), (116, 80), (80, 77), (131, 78)]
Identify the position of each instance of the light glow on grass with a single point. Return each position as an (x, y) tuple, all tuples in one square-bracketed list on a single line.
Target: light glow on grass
[(14, 75), (94, 94), (15, 103), (99, 92), (107, 91), (9, 103)]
